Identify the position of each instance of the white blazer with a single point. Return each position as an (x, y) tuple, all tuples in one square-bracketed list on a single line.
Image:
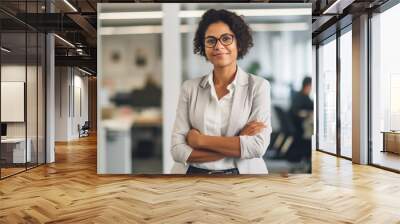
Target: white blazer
[(251, 102)]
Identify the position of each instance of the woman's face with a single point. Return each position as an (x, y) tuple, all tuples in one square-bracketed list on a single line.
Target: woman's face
[(225, 51)]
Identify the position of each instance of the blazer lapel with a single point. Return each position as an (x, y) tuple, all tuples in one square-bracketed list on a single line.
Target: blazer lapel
[(202, 98), (239, 98)]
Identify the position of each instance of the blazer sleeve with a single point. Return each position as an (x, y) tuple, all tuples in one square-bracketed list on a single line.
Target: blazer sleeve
[(180, 151), (255, 146)]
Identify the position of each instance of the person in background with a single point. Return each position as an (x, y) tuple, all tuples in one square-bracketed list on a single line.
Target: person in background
[(302, 105), (301, 112), (223, 119)]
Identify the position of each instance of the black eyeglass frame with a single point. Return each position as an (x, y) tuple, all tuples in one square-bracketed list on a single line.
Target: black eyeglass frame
[(218, 39)]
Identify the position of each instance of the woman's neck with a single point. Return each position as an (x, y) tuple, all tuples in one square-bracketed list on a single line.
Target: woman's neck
[(223, 76)]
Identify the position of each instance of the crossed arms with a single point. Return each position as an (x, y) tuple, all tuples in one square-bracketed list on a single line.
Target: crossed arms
[(189, 145), (210, 148)]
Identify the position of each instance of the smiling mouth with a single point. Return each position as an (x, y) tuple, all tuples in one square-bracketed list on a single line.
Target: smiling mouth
[(218, 54)]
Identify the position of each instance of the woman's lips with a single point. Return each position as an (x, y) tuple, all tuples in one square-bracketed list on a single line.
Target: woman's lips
[(218, 55)]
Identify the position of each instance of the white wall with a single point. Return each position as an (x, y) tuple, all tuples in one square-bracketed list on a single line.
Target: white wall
[(80, 94), (33, 125), (68, 82), (14, 73), (124, 72), (61, 103), (17, 73)]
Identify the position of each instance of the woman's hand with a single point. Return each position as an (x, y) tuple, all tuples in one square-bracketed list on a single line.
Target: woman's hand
[(253, 128), (226, 146), (193, 138), (201, 156)]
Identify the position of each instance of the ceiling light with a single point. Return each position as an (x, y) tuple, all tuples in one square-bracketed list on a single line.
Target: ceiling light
[(84, 71), (130, 30), (281, 27), (64, 40), (253, 12), (70, 5), (131, 15), (5, 50), (273, 12), (191, 13), (337, 7), (199, 13), (256, 27)]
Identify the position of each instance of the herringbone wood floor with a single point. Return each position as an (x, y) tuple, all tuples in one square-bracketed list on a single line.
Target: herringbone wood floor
[(70, 191)]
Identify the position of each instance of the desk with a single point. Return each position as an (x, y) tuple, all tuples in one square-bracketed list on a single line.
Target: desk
[(116, 141), (16, 147), (115, 153), (391, 141)]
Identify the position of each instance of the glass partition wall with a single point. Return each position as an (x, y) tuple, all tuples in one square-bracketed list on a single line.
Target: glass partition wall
[(334, 127), (385, 88), (346, 93), (327, 95), (22, 77), (13, 85)]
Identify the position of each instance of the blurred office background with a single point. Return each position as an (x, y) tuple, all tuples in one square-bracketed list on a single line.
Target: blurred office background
[(146, 52)]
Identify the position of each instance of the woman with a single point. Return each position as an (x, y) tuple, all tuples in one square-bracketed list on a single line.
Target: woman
[(222, 123)]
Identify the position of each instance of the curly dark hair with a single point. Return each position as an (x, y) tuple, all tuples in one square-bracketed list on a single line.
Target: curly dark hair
[(236, 24)]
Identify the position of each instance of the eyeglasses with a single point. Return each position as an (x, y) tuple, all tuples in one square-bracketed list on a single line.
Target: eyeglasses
[(225, 39)]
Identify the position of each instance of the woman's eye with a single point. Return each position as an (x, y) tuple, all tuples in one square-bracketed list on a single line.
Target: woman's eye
[(210, 41)]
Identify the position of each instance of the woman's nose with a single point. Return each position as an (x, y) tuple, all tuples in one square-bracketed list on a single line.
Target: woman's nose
[(218, 45)]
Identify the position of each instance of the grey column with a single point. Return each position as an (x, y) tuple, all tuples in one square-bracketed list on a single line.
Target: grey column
[(50, 100), (101, 136), (360, 90), (171, 76), (50, 92)]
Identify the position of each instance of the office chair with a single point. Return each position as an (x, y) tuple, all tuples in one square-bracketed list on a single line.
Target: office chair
[(286, 133), (84, 130)]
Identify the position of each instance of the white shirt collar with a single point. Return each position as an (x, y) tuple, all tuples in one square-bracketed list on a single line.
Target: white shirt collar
[(231, 86)]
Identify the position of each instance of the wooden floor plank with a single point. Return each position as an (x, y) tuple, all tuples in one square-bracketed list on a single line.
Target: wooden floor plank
[(70, 191)]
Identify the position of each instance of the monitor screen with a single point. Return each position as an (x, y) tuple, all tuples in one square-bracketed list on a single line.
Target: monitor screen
[(3, 129)]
